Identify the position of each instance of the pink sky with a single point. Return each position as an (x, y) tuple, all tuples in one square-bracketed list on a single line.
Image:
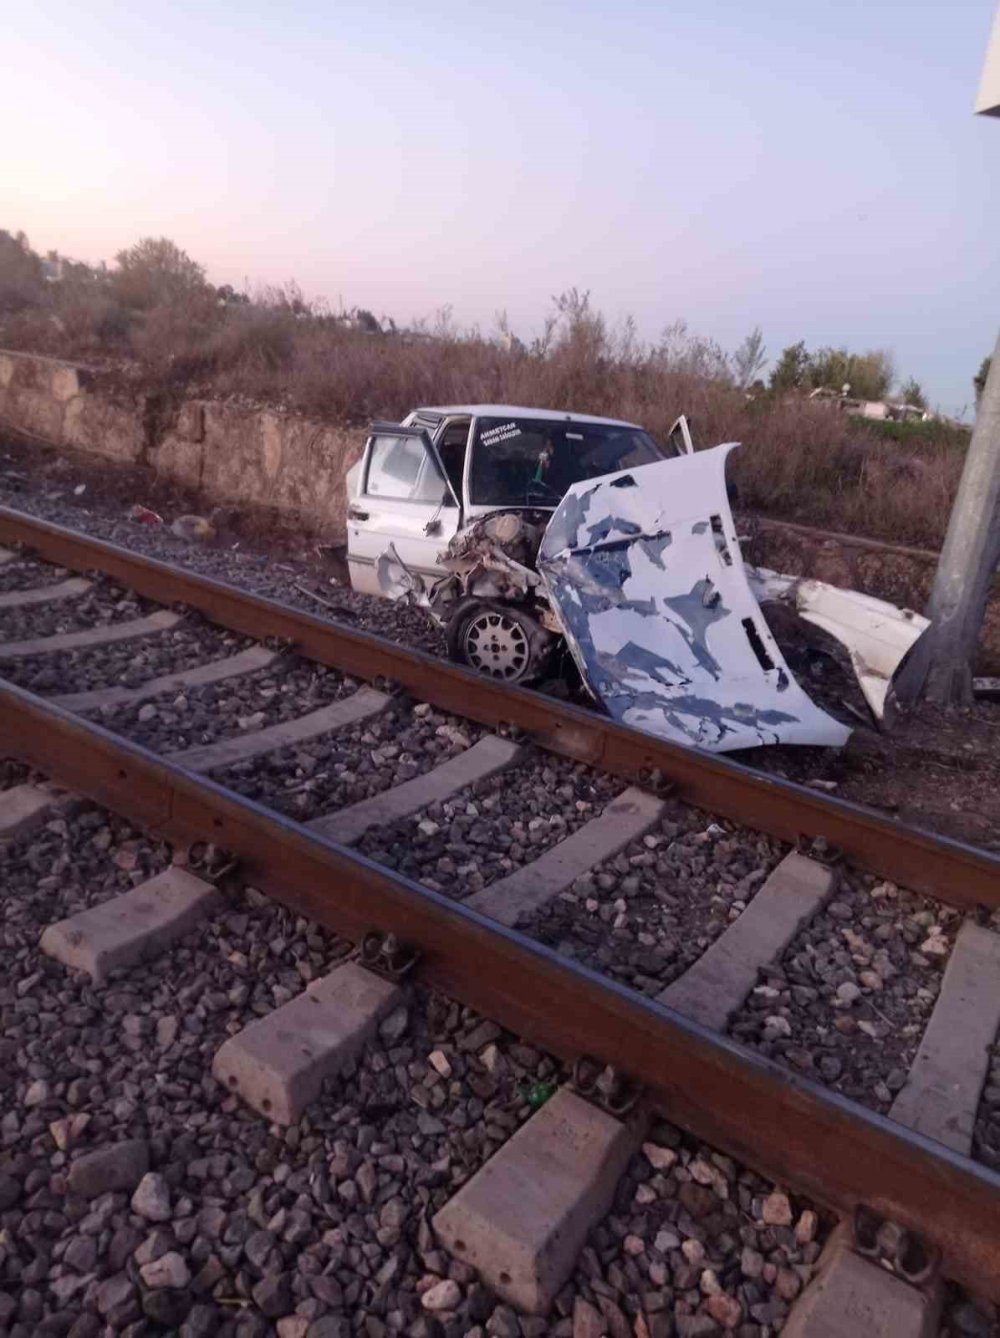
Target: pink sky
[(816, 171)]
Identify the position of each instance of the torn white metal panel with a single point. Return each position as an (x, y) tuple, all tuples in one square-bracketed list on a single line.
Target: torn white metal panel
[(486, 557), (644, 569), (396, 580), (875, 633)]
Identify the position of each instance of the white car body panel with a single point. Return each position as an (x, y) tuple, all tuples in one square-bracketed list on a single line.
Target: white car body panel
[(418, 531), (644, 570), (876, 634), (517, 411)]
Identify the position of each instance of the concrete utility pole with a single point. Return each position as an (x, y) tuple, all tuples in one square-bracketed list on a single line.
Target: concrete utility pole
[(940, 667)]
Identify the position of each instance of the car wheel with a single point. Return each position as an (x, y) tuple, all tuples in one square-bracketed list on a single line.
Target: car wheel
[(499, 640)]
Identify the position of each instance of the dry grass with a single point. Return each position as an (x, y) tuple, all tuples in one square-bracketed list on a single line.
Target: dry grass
[(800, 461)]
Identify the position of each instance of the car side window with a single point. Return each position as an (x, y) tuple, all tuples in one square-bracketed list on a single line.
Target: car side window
[(451, 447), (400, 470)]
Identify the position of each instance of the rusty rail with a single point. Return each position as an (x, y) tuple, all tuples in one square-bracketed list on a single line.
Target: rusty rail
[(817, 1143), (947, 869)]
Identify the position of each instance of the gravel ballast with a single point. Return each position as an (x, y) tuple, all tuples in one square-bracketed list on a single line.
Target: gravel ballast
[(126, 663), (101, 606), (628, 1270), (71, 863), (695, 1244), (29, 574), (313, 779), (139, 1196), (226, 559), (485, 832), (13, 773), (986, 1142), (289, 688), (649, 913), (848, 1002)]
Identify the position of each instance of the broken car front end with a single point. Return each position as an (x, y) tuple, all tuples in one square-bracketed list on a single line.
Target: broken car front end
[(638, 575)]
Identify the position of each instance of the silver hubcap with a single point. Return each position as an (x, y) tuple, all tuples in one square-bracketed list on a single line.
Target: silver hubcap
[(497, 645)]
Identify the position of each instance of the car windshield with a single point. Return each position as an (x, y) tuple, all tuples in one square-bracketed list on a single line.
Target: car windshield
[(532, 462)]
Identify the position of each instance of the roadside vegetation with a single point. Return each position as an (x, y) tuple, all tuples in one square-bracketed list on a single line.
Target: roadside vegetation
[(154, 320)]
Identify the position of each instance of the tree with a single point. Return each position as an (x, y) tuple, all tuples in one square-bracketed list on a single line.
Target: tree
[(21, 281), (691, 354), (581, 330), (367, 321), (790, 370), (869, 375), (875, 372), (979, 380), (156, 272), (750, 358), (912, 393), (228, 296)]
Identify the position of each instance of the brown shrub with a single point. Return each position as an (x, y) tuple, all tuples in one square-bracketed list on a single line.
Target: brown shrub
[(800, 460)]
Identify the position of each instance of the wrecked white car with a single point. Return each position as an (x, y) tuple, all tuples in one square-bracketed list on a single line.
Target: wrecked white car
[(528, 533)]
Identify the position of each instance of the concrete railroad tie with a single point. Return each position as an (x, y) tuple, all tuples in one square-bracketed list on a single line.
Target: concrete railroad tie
[(530, 887), (852, 1297), (524, 1216), (483, 759), (246, 662), (722, 977), (132, 927), (941, 1093), (240, 748), (44, 594), (25, 807), (278, 1063), (91, 636)]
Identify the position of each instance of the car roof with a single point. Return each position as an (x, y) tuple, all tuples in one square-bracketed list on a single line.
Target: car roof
[(521, 411)]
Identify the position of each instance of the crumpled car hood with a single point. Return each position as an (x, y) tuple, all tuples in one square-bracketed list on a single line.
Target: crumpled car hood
[(644, 570)]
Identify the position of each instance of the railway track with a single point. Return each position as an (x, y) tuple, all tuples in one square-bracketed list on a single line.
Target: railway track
[(339, 770)]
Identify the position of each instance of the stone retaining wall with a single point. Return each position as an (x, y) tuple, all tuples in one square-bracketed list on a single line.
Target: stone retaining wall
[(59, 402), (232, 454), (236, 455)]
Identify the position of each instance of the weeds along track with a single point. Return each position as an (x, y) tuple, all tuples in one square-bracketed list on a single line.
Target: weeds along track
[(778, 971)]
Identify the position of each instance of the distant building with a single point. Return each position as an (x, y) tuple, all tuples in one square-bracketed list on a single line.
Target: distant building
[(883, 411), (54, 268)]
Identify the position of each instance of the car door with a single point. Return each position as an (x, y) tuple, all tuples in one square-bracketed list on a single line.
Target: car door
[(679, 437), (403, 500)]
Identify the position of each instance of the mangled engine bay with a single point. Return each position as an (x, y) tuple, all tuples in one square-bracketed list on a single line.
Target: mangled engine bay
[(640, 574), (495, 558)]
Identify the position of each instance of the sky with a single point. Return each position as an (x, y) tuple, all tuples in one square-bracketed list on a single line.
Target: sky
[(812, 168)]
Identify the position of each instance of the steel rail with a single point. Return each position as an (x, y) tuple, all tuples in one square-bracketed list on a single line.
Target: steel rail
[(920, 860), (805, 1137)]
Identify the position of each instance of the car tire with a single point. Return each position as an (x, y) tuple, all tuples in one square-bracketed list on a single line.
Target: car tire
[(499, 640)]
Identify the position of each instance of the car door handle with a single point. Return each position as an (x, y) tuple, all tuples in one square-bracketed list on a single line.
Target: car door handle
[(355, 513)]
